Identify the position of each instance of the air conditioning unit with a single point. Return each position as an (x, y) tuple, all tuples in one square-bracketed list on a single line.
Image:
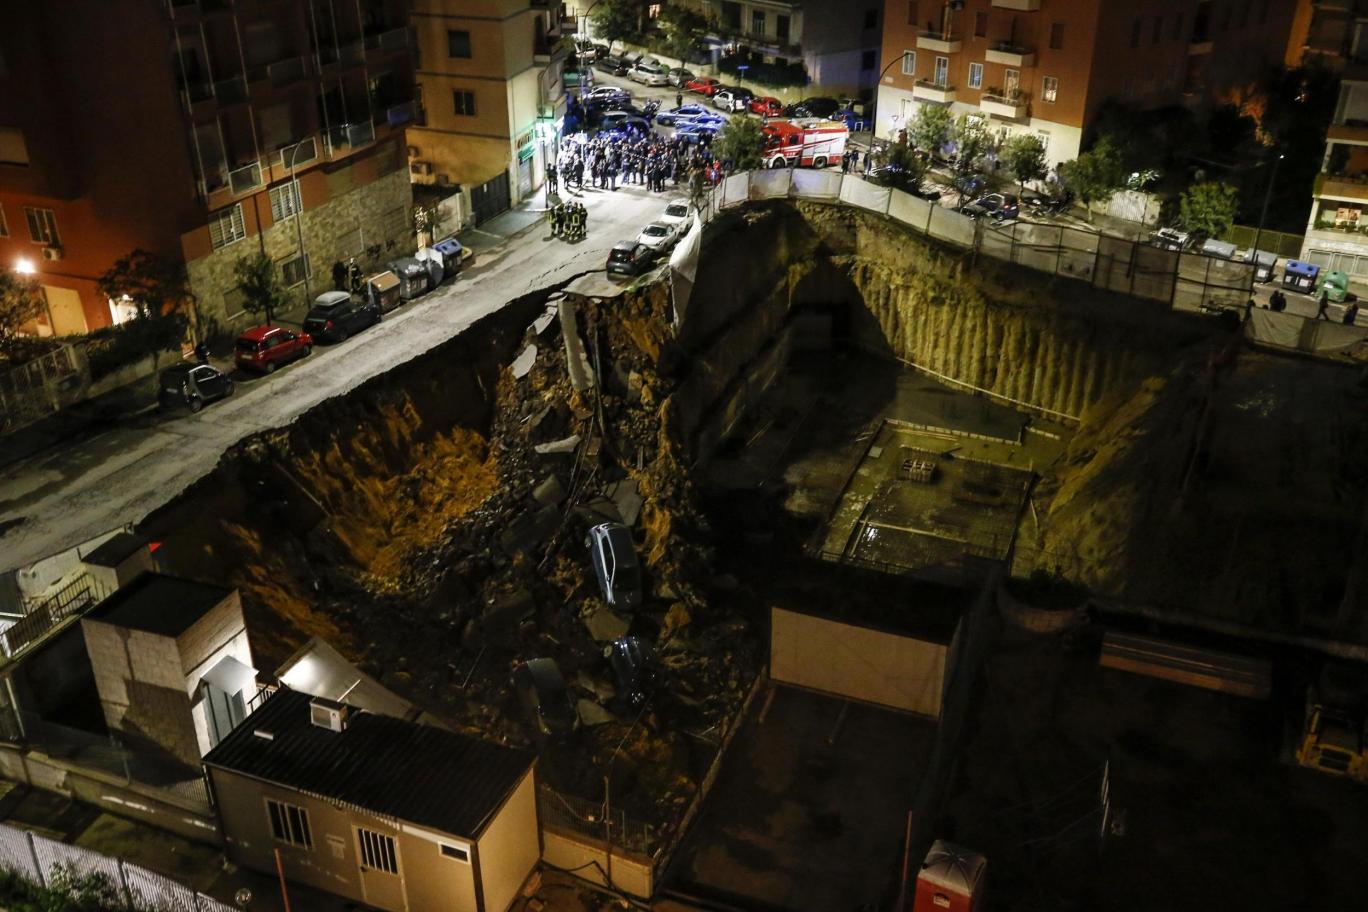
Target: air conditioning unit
[(420, 167), (52, 253), (328, 714), (443, 180)]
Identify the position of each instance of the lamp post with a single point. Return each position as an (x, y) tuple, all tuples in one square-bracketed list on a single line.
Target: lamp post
[(1263, 213), (297, 203), (878, 81)]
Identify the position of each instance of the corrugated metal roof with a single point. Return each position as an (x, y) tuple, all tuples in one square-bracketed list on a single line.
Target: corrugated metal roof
[(415, 773)]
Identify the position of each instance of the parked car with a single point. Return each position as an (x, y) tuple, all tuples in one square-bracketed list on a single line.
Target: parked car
[(634, 668), (679, 77), (610, 64), (646, 111), (617, 124), (1171, 239), (683, 112), (607, 92), (678, 215), (587, 50), (703, 85), (578, 78), (628, 258), (657, 236), (697, 132), (192, 386), (264, 348), (335, 316), (542, 692), (997, 206), (766, 106), (733, 99), (650, 74), (615, 563), (817, 106)]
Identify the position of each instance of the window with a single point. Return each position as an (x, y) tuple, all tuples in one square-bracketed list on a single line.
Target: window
[(942, 71), (458, 44), (975, 75), (377, 851), (226, 226), (284, 201), (980, 25), (4, 228), (42, 226), (13, 149), (867, 60), (911, 12), (1011, 82), (1158, 29), (757, 22), (1056, 36), (909, 63), (1135, 33), (1050, 91), (456, 852), (781, 28), (465, 103), (289, 824), (295, 270), (871, 19)]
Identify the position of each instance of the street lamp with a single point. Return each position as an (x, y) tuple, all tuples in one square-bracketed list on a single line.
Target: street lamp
[(1263, 213), (297, 203)]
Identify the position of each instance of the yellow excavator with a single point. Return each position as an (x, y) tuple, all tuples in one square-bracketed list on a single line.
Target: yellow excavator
[(1335, 737)]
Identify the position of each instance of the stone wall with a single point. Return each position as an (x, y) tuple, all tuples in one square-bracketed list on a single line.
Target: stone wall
[(355, 218)]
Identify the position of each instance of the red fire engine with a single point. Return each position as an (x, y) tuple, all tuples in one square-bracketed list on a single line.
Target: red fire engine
[(811, 143)]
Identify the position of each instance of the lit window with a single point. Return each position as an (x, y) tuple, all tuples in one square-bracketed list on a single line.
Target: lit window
[(285, 201), (909, 63), (226, 226), (289, 824), (975, 75), (42, 226), (1050, 91)]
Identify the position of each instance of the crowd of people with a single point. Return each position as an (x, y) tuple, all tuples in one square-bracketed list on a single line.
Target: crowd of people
[(649, 160)]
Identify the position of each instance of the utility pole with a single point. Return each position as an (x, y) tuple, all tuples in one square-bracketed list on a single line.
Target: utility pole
[(1263, 214), (297, 203)]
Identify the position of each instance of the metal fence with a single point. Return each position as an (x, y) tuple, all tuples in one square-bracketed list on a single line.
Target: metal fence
[(588, 818), (38, 388), (45, 862), (1283, 243), (42, 617)]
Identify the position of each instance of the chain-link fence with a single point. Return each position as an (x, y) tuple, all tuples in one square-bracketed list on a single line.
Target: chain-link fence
[(588, 818), (47, 863)]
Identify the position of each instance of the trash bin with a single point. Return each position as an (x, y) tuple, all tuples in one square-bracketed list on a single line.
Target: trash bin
[(1300, 276), (1264, 264), (453, 255), (383, 289), (413, 277)]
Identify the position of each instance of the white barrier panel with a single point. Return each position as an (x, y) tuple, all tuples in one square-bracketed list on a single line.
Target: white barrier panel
[(909, 210), (684, 269), (951, 226), (816, 184), (735, 189), (1323, 336), (772, 183), (1273, 328), (859, 192)]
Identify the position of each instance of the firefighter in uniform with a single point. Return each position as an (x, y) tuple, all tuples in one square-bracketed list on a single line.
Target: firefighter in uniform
[(557, 215)]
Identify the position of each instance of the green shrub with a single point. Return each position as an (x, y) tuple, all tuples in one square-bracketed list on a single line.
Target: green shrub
[(779, 75), (114, 347)]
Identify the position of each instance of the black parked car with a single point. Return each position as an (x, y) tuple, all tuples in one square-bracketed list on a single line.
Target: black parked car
[(335, 316), (813, 107), (997, 206), (634, 668), (542, 692), (628, 258), (610, 64), (191, 386)]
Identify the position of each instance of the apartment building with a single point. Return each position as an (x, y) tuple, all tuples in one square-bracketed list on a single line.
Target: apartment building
[(1337, 229), (202, 130), (1047, 66), (490, 75), (1328, 32)]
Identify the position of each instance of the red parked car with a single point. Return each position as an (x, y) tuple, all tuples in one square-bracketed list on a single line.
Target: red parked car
[(766, 106), (706, 86), (264, 348)]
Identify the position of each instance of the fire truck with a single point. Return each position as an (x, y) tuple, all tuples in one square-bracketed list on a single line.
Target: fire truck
[(810, 143)]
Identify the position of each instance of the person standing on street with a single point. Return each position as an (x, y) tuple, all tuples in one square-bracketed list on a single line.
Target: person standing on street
[(1350, 315), (1322, 312), (679, 99)]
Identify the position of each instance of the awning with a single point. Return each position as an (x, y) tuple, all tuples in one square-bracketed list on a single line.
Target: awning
[(383, 281), (231, 676)]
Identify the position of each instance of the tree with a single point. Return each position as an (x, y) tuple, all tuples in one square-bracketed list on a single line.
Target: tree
[(151, 283), (972, 142), (21, 301), (1095, 174), (1024, 156), (684, 28), (262, 290), (614, 20), (741, 141), (1208, 209), (931, 129), (427, 223), (904, 168)]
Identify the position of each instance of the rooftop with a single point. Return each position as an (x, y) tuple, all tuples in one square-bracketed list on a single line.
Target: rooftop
[(155, 603), (416, 773), (115, 550)]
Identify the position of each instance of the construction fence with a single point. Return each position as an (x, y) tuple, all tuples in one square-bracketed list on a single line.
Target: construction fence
[(43, 386), (47, 863), (1183, 281)]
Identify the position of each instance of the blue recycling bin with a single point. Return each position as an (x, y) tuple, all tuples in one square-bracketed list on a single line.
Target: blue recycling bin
[(1300, 276)]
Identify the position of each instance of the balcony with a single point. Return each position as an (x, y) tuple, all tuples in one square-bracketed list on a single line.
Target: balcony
[(344, 137), (284, 72), (939, 41), (392, 41), (1001, 103), (1341, 187), (247, 177), (1010, 55), (407, 112), (1355, 133), (1021, 6), (930, 91)]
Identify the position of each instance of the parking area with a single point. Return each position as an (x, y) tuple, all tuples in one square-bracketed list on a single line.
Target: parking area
[(809, 809)]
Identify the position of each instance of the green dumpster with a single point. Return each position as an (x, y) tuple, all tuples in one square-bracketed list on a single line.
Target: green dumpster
[(1335, 284)]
